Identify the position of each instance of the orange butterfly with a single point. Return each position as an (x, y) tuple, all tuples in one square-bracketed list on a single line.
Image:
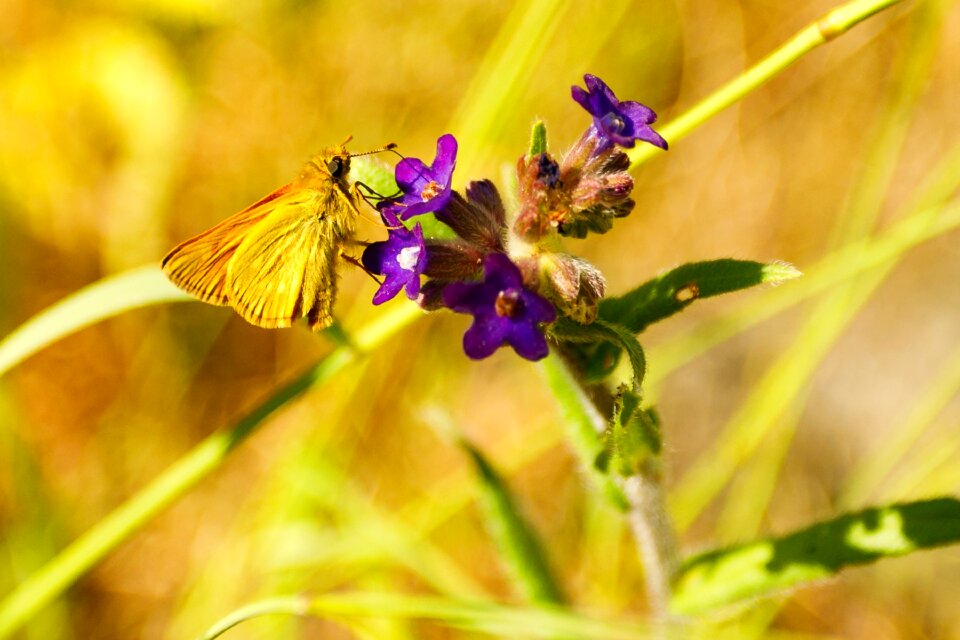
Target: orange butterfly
[(275, 261)]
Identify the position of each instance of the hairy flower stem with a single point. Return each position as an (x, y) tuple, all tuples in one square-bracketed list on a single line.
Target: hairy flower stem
[(655, 538), (641, 495)]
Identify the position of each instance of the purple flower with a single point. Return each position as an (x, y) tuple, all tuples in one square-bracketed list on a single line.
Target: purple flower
[(504, 312), (426, 189), (616, 122), (401, 258)]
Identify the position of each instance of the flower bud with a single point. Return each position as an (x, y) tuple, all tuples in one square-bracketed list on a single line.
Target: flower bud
[(574, 285)]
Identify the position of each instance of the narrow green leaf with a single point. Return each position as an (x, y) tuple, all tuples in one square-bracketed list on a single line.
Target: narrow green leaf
[(472, 615), (673, 291), (760, 568), (601, 332), (516, 540), (538, 138), (633, 442), (108, 297)]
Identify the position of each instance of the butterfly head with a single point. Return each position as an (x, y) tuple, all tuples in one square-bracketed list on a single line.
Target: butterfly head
[(337, 162)]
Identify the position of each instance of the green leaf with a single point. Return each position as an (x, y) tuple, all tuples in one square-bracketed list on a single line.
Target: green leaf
[(374, 173), (601, 332), (516, 540), (759, 568), (476, 616), (633, 440), (673, 291), (538, 138)]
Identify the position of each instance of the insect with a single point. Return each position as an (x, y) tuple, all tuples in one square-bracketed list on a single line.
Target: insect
[(275, 262)]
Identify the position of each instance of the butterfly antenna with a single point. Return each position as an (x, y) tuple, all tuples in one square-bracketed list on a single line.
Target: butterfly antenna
[(387, 147), (371, 194)]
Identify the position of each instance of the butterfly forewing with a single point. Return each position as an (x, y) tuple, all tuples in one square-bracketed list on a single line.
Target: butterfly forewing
[(199, 265)]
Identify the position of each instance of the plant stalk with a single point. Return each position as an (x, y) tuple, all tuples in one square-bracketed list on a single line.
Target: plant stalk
[(830, 26)]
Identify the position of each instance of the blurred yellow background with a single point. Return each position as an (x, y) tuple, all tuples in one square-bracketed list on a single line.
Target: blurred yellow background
[(127, 126)]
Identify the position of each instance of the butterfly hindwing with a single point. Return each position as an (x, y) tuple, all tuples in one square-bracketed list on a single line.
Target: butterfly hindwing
[(284, 268)]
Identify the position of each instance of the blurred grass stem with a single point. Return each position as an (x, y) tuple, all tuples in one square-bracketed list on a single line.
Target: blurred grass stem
[(64, 569), (830, 26)]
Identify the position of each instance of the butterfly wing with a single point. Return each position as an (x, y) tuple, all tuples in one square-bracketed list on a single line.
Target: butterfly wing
[(199, 265), (285, 267)]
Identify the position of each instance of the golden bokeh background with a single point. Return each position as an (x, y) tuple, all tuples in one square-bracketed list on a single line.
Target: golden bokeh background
[(127, 126)]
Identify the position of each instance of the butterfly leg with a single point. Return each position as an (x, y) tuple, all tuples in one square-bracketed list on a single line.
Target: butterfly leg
[(348, 258)]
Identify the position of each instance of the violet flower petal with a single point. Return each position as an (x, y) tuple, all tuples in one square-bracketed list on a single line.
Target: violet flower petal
[(615, 122), (503, 310), (412, 176), (485, 336), (446, 158), (427, 188), (401, 258), (528, 341)]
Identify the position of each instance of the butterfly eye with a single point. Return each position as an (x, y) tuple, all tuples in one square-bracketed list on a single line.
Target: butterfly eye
[(335, 165)]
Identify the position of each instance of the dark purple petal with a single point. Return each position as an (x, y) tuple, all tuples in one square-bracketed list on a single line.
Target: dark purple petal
[(390, 214), (615, 122), (647, 134), (400, 259), (639, 114), (388, 290), (373, 256), (527, 340), (464, 297), (504, 312), (427, 189), (413, 288), (499, 270), (422, 207), (446, 158), (485, 335), (599, 88), (412, 176), (580, 96), (539, 308)]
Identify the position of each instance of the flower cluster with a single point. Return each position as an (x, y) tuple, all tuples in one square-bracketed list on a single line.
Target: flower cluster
[(511, 278)]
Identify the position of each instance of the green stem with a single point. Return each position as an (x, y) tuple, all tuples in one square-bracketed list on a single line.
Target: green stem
[(287, 606), (640, 495), (830, 26), (78, 558), (584, 425)]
